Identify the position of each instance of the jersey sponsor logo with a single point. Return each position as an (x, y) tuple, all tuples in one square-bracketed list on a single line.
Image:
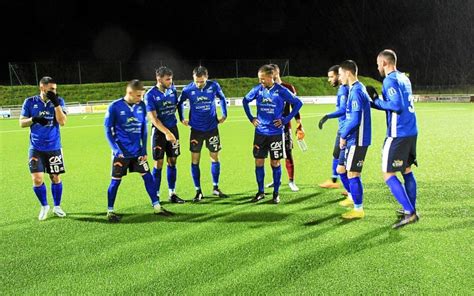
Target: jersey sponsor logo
[(391, 91), (397, 163), (56, 160), (276, 145), (193, 93), (131, 119), (266, 100), (202, 99), (35, 106), (139, 110), (122, 112)]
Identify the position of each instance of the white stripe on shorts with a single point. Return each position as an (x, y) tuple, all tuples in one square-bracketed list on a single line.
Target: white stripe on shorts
[(350, 157), (283, 143), (385, 152)]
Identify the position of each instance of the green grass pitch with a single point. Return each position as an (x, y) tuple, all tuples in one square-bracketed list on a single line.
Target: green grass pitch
[(230, 246)]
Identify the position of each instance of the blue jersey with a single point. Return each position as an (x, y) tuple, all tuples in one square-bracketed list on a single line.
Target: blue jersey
[(164, 103), (47, 137), (398, 103), (270, 107), (126, 128), (202, 105), (341, 101), (356, 129)]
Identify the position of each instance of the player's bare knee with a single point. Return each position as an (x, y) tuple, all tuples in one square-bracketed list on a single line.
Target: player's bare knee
[(407, 170), (341, 169), (158, 163), (387, 175), (55, 178), (214, 156), (259, 162), (353, 175), (37, 179), (171, 161), (275, 163)]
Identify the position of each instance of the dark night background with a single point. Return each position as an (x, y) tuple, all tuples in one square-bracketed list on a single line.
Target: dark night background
[(433, 39)]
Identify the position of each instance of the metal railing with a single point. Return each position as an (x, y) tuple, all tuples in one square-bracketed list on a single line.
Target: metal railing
[(80, 72)]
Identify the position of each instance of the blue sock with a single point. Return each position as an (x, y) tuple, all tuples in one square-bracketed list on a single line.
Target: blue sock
[(151, 188), (196, 173), (400, 194), (410, 187), (215, 171), (276, 178), (112, 192), (260, 174), (335, 162), (357, 191), (171, 173), (57, 192), (40, 192), (157, 177), (345, 182)]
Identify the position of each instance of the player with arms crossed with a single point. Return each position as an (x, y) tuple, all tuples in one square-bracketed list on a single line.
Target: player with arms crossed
[(269, 126), (43, 114), (161, 102), (338, 168), (399, 150), (203, 121), (355, 134), (126, 131)]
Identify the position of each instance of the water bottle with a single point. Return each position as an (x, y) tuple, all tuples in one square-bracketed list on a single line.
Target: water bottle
[(302, 145)]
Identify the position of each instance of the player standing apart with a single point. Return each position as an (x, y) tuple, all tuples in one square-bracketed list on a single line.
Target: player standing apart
[(355, 134), (269, 126), (399, 150), (43, 114), (161, 102), (126, 131), (203, 121)]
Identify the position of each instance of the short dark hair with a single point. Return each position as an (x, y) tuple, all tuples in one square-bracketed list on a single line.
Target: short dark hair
[(275, 66), (350, 66), (135, 84), (46, 80), (163, 71), (266, 69), (389, 55), (200, 71), (334, 69)]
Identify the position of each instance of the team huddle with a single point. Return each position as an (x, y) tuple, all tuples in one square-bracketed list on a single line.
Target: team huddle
[(126, 130)]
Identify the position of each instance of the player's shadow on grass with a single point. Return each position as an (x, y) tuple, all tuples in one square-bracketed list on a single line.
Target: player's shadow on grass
[(256, 217), (300, 199), (127, 218), (321, 220), (323, 204)]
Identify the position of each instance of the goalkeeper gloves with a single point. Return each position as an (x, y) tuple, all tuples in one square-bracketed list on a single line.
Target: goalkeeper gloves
[(300, 131)]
